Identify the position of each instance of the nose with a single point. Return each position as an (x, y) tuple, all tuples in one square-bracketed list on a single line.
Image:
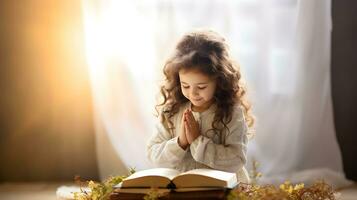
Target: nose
[(193, 92)]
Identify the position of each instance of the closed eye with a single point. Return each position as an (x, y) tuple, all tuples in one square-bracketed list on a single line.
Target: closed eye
[(200, 88)]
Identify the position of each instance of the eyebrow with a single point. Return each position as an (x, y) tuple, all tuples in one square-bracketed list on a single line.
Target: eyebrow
[(196, 83)]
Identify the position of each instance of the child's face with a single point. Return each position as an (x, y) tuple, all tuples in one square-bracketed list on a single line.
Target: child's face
[(197, 87)]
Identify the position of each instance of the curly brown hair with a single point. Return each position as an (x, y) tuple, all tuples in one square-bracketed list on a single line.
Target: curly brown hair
[(207, 52)]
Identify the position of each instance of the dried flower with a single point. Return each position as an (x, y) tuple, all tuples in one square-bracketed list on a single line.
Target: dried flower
[(254, 191), (98, 190), (153, 194), (286, 191)]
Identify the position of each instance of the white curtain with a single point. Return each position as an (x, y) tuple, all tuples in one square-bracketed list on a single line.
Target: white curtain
[(295, 133), (283, 47)]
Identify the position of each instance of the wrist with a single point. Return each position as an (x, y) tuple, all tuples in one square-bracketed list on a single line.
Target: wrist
[(183, 144), (194, 138)]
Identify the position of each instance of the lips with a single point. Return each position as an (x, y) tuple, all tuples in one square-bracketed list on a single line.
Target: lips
[(197, 99)]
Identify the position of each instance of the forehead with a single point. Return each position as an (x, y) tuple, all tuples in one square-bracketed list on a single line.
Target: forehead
[(193, 77)]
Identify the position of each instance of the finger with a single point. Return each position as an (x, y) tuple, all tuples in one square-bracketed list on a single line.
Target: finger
[(186, 127), (191, 118), (190, 114), (187, 110), (187, 122), (190, 124), (187, 116)]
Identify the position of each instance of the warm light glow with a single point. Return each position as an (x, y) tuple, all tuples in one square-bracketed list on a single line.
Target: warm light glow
[(120, 55), (116, 32)]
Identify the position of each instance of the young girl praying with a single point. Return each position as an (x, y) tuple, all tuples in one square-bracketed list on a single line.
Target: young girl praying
[(204, 118)]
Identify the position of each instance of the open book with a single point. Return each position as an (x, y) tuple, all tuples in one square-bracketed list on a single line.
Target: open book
[(171, 179)]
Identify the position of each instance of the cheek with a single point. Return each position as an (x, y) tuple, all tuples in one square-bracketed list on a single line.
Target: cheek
[(208, 94), (184, 92)]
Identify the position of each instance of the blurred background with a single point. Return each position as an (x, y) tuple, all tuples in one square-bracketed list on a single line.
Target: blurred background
[(79, 81)]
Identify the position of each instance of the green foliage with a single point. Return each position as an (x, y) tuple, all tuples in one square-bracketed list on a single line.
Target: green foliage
[(153, 194), (254, 173), (286, 191), (253, 191), (98, 190)]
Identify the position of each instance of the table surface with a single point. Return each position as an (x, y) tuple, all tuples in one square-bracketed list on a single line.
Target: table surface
[(47, 191)]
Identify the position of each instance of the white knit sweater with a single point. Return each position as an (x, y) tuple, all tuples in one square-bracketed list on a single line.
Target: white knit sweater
[(209, 150)]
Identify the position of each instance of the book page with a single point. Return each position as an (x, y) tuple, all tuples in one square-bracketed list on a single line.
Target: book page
[(157, 177), (205, 178)]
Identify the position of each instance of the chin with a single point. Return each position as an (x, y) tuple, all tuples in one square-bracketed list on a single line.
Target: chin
[(197, 104)]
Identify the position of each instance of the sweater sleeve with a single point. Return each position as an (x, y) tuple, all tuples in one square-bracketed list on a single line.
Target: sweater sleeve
[(163, 149), (230, 156)]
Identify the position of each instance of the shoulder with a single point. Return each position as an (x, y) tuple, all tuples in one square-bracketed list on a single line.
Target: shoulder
[(238, 118), (238, 112), (238, 122)]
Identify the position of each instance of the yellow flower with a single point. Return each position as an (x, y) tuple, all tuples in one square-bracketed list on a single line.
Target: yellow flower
[(287, 187), (299, 186)]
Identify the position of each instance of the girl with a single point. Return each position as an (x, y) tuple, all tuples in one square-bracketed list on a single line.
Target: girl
[(204, 118)]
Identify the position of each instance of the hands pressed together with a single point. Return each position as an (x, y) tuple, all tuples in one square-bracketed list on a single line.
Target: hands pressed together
[(189, 129)]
